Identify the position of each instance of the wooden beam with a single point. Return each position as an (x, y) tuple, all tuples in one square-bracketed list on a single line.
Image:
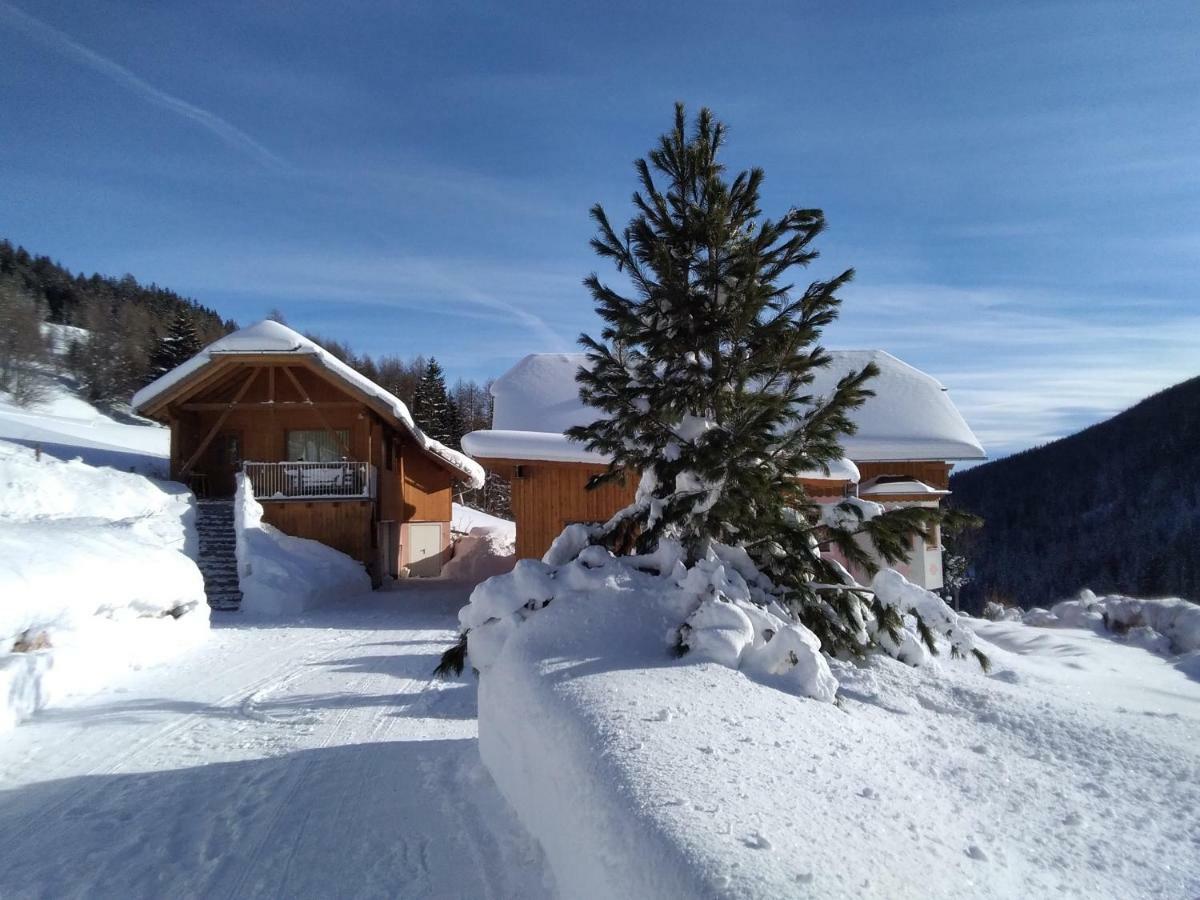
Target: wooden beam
[(271, 385), (187, 466), (317, 409), (263, 404)]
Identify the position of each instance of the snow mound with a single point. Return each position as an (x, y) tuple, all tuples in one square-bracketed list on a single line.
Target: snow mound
[(283, 575), (482, 554), (1167, 625), (708, 612), (95, 576), (1070, 772)]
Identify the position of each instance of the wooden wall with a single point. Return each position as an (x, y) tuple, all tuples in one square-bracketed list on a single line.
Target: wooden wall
[(428, 487), (548, 496), (345, 525)]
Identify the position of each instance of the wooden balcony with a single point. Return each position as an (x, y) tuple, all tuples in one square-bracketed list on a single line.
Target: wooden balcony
[(341, 480)]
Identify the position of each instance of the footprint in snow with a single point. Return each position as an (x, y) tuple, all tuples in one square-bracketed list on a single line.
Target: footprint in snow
[(976, 852), (663, 715)]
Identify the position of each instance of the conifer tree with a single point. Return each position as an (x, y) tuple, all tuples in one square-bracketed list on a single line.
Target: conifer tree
[(179, 344), (702, 376), (431, 403)]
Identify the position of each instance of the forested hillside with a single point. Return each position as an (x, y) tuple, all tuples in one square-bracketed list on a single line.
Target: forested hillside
[(1115, 507), (126, 322)]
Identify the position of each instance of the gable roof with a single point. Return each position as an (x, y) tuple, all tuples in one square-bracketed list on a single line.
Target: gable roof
[(911, 416), (272, 338)]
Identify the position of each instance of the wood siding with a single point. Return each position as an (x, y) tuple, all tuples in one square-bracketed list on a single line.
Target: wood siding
[(342, 524), (428, 488), (548, 496)]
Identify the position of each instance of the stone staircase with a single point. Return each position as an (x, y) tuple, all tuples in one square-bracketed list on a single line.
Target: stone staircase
[(218, 562)]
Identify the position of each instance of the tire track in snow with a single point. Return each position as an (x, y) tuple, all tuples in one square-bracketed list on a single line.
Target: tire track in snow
[(34, 823)]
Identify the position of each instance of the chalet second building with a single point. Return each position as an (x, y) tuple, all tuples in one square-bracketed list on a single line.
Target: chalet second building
[(909, 436), (330, 455)]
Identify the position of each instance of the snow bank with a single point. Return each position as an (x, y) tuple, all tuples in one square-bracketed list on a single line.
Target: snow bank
[(1168, 625), (95, 577), (486, 546), (1068, 772), (283, 575), (709, 612)]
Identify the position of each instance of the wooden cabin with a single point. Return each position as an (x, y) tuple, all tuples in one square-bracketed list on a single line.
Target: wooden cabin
[(330, 455), (909, 436)]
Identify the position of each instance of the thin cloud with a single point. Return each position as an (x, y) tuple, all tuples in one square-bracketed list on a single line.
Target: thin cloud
[(63, 44)]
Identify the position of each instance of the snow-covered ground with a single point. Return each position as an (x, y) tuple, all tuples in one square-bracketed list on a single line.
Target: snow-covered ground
[(1073, 769), (68, 427), (311, 758), (95, 576)]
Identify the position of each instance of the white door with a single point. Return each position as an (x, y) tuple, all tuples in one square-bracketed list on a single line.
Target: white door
[(425, 549)]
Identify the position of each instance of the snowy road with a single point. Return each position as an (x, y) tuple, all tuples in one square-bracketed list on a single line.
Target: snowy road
[(310, 759)]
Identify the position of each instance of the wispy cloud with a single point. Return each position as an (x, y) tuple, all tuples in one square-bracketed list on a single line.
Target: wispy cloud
[(1026, 366), (66, 46)]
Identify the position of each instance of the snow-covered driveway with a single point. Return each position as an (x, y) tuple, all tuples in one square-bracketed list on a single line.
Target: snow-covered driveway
[(311, 758)]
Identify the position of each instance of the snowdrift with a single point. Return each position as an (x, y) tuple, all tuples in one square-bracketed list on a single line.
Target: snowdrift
[(1168, 626), (1069, 771), (485, 546), (95, 576), (284, 575)]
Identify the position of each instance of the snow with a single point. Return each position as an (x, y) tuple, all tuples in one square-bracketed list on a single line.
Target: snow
[(1168, 626), (875, 488), (486, 546), (532, 445), (280, 574), (464, 520), (95, 577), (310, 757), (910, 417), (67, 427), (839, 470), (272, 337), (1072, 770)]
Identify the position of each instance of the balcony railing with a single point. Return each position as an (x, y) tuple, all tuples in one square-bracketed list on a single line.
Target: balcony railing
[(342, 480)]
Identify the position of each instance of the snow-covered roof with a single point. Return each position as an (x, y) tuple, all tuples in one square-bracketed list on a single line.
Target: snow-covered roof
[(839, 470), (910, 417), (272, 337), (879, 487)]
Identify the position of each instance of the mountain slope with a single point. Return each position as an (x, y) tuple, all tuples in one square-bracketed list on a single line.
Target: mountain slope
[(1115, 507)]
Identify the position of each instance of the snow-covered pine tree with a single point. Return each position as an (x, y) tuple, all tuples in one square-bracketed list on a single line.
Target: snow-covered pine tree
[(179, 343), (702, 373), (702, 376)]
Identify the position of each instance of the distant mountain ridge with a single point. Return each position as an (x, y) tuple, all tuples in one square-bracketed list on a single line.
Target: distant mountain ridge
[(1115, 507)]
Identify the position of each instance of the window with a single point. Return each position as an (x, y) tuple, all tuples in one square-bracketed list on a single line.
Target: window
[(317, 446)]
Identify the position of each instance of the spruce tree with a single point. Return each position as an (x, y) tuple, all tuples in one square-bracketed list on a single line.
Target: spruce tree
[(431, 403), (179, 344), (702, 376)]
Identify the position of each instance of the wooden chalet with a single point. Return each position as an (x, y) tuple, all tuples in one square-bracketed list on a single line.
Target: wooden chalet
[(909, 436), (330, 455)]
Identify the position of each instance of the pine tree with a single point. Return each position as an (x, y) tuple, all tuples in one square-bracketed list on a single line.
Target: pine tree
[(701, 373), (179, 344), (431, 403)]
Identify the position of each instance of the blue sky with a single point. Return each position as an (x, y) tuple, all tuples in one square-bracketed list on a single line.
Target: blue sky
[(1017, 184)]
